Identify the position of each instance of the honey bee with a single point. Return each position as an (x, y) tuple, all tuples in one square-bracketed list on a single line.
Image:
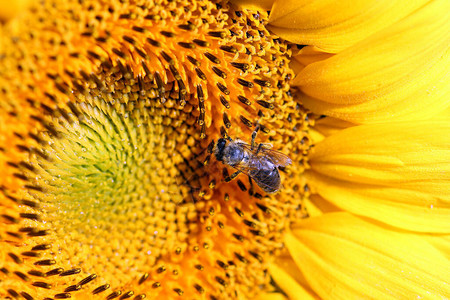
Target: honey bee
[(260, 163)]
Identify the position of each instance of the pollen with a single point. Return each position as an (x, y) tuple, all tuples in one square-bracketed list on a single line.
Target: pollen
[(109, 116)]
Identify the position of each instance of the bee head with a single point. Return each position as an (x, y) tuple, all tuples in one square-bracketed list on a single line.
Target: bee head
[(220, 147)]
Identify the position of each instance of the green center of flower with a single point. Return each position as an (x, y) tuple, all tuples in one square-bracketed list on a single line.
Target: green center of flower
[(114, 178)]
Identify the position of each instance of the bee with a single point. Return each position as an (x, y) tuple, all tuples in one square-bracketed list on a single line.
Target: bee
[(260, 163)]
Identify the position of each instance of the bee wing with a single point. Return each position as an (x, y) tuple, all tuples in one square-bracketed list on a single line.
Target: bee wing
[(245, 168), (259, 181), (279, 159)]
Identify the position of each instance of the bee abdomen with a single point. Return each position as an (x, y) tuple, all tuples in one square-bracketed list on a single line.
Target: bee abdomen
[(267, 179)]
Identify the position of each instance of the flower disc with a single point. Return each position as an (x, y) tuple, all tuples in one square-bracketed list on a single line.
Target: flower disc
[(111, 188)]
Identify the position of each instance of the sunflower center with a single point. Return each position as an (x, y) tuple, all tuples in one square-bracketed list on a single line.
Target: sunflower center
[(109, 185), (110, 169)]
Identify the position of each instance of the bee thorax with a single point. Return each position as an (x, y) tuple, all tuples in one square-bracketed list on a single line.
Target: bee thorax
[(233, 155)]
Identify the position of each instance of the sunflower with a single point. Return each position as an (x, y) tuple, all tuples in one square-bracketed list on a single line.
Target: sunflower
[(109, 120)]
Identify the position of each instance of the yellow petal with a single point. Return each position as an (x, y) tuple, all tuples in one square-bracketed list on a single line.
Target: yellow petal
[(316, 136), (329, 125), (335, 25), (270, 296), (9, 9), (396, 173), (400, 73), (344, 257), (254, 5), (289, 284), (442, 243), (316, 206), (443, 115), (306, 55), (310, 54)]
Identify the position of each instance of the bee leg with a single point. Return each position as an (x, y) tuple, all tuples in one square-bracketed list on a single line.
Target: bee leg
[(254, 135), (232, 176), (251, 191), (259, 148)]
